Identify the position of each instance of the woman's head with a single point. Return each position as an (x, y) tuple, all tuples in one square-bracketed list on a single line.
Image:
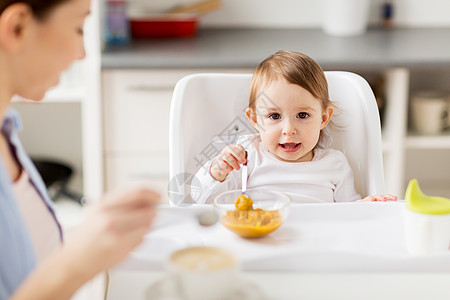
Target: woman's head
[(39, 40), (289, 105)]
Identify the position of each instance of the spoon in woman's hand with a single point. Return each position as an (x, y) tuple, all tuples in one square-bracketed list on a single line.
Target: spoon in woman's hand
[(207, 218)]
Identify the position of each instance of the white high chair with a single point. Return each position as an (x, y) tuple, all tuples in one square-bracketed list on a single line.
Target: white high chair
[(208, 111)]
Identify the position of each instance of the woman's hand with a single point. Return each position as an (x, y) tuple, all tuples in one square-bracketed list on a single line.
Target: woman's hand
[(383, 198), (229, 159)]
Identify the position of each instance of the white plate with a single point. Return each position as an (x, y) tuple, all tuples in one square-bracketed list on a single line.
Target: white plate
[(167, 289)]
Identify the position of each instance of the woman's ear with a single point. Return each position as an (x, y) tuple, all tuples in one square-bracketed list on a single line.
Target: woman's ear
[(14, 21), (251, 116), (326, 116)]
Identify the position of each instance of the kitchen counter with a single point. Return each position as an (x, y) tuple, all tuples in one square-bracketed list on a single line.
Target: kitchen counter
[(245, 48), (356, 250)]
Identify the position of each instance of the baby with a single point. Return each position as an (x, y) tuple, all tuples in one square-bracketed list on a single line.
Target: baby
[(289, 107)]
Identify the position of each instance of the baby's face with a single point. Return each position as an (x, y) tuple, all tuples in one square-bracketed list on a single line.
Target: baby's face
[(289, 119)]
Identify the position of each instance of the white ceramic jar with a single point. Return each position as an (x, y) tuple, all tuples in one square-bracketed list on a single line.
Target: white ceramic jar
[(345, 17)]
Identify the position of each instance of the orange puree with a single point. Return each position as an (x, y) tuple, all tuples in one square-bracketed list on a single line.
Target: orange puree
[(243, 203), (248, 222)]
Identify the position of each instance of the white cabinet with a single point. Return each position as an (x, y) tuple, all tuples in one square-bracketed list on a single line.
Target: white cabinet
[(137, 102), (136, 107)]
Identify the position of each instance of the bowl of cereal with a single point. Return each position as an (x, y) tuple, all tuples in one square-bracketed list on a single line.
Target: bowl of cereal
[(255, 214)]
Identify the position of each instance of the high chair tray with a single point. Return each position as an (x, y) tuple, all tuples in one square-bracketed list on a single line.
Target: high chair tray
[(337, 237)]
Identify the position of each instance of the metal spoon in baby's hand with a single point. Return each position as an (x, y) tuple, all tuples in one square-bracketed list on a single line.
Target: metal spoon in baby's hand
[(244, 179), (244, 176)]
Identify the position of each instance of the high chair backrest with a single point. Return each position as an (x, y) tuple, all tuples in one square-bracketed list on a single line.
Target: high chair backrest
[(208, 111)]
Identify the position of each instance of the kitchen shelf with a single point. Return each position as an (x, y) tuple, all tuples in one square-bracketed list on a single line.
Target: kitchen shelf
[(377, 49), (442, 141)]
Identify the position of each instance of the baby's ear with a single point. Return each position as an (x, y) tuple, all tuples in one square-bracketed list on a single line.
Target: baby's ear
[(326, 116), (251, 116)]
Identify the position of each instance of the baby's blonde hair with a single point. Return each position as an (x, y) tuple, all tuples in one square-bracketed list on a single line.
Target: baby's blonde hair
[(296, 68)]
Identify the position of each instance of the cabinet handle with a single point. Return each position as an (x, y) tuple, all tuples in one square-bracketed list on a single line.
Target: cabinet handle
[(149, 176), (148, 88)]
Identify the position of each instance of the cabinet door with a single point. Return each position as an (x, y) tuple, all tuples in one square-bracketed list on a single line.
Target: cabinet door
[(136, 110), (151, 170), (136, 107)]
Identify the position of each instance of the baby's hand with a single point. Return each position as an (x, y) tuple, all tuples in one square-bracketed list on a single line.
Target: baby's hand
[(229, 159), (383, 198)]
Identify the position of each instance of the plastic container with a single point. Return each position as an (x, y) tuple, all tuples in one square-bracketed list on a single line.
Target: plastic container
[(427, 221), (117, 27), (387, 14)]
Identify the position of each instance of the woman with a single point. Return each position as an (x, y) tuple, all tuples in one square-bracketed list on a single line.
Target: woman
[(38, 40)]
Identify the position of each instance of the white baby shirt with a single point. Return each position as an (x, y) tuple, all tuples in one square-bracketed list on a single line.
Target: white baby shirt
[(326, 178)]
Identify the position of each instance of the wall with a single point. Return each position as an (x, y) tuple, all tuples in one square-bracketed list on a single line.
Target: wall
[(304, 13), (307, 13)]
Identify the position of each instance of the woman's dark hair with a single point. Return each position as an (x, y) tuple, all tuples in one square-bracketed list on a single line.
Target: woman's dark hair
[(40, 8)]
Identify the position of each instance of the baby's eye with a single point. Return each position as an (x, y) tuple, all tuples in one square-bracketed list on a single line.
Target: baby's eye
[(274, 116), (302, 115)]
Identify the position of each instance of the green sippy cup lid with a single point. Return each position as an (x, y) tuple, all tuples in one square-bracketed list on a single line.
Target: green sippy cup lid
[(417, 201)]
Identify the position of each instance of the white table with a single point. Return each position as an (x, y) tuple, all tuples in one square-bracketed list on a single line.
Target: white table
[(323, 250)]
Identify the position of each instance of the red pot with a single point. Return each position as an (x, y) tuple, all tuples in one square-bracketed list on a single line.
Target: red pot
[(163, 26)]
